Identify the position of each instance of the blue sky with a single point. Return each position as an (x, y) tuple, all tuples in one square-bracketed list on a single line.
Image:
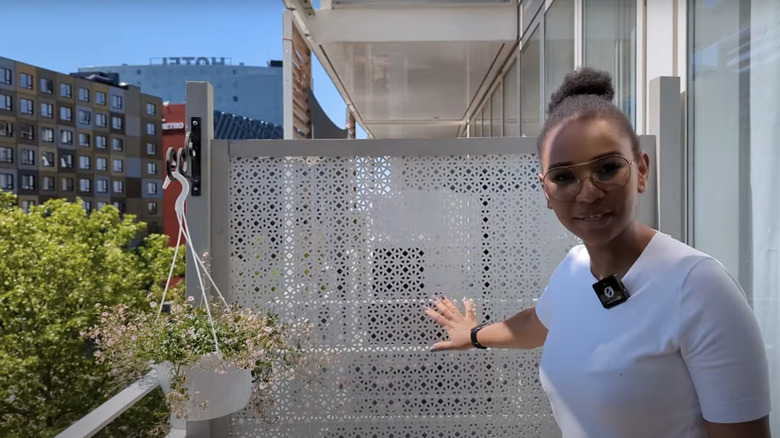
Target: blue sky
[(63, 35)]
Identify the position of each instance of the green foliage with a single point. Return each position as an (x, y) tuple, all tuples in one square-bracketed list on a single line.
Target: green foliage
[(56, 264)]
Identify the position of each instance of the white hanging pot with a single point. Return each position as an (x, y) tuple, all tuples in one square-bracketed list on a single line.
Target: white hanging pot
[(224, 392)]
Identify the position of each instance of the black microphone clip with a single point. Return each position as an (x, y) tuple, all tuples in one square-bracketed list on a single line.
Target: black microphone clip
[(611, 291)]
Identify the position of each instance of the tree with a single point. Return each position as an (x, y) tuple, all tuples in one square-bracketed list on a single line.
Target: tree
[(56, 263)]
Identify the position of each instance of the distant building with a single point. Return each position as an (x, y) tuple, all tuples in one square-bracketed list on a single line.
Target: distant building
[(251, 91), (80, 135), (226, 127)]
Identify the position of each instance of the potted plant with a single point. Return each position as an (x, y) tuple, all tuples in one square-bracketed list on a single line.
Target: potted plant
[(211, 360)]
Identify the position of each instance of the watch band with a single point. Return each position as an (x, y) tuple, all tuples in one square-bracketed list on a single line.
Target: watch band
[(474, 331)]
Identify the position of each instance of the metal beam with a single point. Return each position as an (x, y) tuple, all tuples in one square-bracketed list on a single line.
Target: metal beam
[(489, 23)]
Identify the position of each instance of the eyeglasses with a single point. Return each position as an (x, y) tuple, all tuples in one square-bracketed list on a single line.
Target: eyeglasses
[(608, 173)]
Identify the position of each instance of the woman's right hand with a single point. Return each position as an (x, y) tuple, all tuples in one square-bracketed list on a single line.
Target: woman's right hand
[(457, 325)]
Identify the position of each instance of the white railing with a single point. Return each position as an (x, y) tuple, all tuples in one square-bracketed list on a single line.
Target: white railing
[(99, 418)]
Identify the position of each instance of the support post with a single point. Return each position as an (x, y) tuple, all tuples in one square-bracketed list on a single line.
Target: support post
[(666, 124)]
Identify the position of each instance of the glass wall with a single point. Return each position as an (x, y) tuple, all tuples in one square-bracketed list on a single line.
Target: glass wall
[(511, 101), (558, 45), (609, 43), (734, 133), (530, 109)]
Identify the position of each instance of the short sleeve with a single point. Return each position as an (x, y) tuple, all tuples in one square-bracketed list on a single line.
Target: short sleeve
[(544, 307), (721, 344)]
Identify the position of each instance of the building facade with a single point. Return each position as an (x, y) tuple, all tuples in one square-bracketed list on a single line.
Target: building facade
[(251, 91), (85, 136)]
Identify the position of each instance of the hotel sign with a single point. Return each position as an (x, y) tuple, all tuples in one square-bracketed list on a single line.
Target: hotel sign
[(173, 126), (193, 60)]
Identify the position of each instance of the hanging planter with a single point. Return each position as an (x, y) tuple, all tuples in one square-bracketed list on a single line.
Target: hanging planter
[(213, 388), (212, 359)]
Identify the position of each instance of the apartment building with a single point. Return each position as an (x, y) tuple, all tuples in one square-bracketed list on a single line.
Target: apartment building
[(80, 135)]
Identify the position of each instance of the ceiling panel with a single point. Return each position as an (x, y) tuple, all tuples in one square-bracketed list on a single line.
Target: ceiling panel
[(414, 131), (336, 3), (412, 81)]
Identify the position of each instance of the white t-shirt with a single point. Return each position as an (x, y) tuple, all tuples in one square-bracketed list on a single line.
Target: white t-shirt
[(684, 345)]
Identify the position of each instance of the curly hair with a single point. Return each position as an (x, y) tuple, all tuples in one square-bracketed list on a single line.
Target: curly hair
[(586, 94)]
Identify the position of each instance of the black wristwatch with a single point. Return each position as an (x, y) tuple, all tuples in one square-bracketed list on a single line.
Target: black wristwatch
[(474, 331)]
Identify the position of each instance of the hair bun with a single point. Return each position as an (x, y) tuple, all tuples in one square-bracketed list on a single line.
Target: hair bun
[(583, 81)]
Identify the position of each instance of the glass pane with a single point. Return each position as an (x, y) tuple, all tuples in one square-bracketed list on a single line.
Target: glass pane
[(496, 123), (609, 43), (558, 45), (511, 102), (486, 120), (734, 117), (529, 85)]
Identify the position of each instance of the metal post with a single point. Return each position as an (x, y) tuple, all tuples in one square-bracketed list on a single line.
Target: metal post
[(666, 123), (287, 74)]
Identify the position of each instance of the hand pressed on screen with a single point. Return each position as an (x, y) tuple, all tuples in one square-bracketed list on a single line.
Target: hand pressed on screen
[(457, 325)]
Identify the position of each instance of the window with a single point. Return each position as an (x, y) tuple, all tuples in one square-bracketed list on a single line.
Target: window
[(100, 142), (47, 135), (608, 43), (558, 44), (116, 122), (87, 205), (47, 159), (85, 184), (100, 120), (5, 102), (151, 109), (66, 90), (25, 81), (6, 155), (100, 98), (6, 76), (6, 181), (26, 205), (66, 136), (101, 164), (28, 182), (28, 132), (235, 98), (66, 184), (117, 165), (66, 113), (83, 94), (84, 163), (66, 161), (150, 129), (46, 86), (118, 205), (27, 157), (85, 117), (83, 140), (6, 129), (47, 110), (117, 144), (151, 188), (151, 149), (47, 183), (101, 204), (151, 168), (117, 102), (151, 207), (119, 186), (530, 105), (101, 185), (26, 106)]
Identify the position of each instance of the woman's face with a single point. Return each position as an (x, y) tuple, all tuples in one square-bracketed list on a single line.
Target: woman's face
[(595, 178)]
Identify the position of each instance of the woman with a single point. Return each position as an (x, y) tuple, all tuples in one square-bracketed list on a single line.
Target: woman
[(643, 335)]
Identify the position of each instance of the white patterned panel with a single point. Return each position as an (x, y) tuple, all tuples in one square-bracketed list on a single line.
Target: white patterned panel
[(357, 246)]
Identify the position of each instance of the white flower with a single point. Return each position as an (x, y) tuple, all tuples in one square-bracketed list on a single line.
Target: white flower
[(152, 304)]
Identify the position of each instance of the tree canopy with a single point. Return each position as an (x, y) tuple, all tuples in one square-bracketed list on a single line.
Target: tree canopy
[(56, 263)]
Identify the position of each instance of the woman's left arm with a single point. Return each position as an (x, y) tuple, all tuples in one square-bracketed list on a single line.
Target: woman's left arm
[(721, 344), (753, 429)]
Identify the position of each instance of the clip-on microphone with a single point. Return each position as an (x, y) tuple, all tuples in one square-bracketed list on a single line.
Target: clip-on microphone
[(610, 291)]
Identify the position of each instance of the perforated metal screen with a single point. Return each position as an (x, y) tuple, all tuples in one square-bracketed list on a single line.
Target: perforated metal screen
[(357, 246)]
